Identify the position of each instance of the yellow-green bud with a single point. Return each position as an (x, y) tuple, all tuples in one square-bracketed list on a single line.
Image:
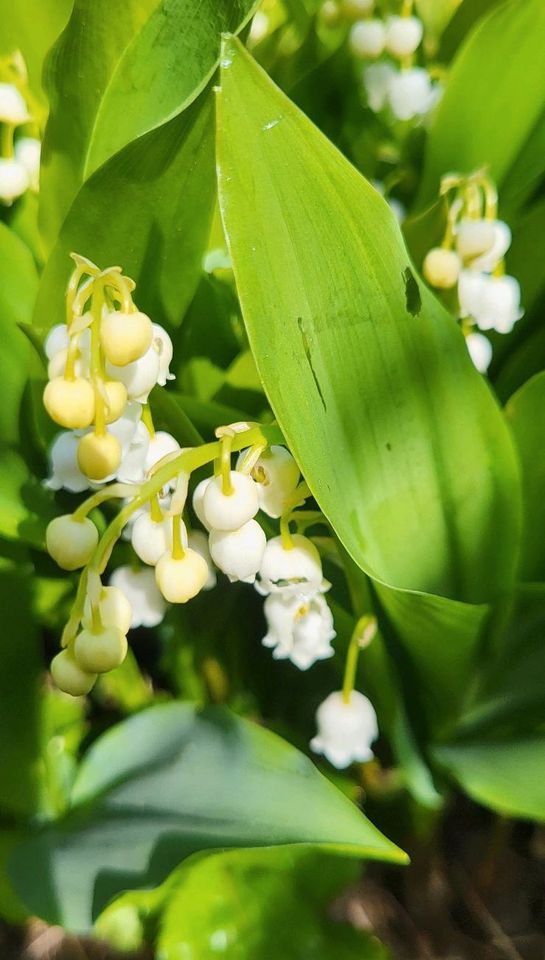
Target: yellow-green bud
[(99, 455), (114, 609), (70, 403), (99, 652), (115, 399), (441, 268), (179, 580), (68, 675), (71, 542), (125, 337)]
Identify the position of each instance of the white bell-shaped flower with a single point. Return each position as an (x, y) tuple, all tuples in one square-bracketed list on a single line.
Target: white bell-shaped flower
[(140, 376), (147, 604), (411, 93), (403, 36), (198, 541), (345, 730), (163, 345), (299, 629), (297, 570), (367, 38), (151, 539), (27, 151), (482, 244), (493, 302), (230, 511), (13, 180), (162, 444), (13, 108), (376, 80), (238, 553), (480, 350), (65, 471), (134, 439), (277, 475)]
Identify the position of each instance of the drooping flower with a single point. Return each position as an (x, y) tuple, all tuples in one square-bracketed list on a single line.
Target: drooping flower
[(493, 302), (295, 569), (147, 604), (346, 730), (300, 628)]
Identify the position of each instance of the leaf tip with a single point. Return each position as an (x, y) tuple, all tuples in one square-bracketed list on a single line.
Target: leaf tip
[(229, 46)]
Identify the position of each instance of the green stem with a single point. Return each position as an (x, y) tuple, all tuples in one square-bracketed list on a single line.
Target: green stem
[(362, 635), (178, 551), (226, 447), (7, 141), (96, 359), (113, 492)]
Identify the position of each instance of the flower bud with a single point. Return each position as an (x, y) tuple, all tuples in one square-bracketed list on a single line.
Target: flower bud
[(27, 151), (198, 500), (151, 540), (198, 541), (13, 108), (294, 570), (238, 553), (403, 36), (125, 337), (345, 730), (140, 376), (277, 475), (367, 38), (70, 403), (147, 604), (179, 580), (68, 675), (100, 651), (13, 180), (99, 455), (230, 511), (115, 398), (114, 609), (71, 542), (441, 268)]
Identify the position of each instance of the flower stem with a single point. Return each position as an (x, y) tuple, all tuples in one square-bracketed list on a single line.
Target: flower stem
[(364, 631)]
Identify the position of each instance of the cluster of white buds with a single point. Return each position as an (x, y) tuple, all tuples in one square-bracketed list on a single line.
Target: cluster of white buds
[(102, 365), (393, 81), (19, 155), (151, 476), (471, 258)]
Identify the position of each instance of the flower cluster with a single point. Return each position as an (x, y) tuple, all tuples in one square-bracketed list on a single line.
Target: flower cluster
[(19, 155), (392, 79), (90, 393), (471, 259)]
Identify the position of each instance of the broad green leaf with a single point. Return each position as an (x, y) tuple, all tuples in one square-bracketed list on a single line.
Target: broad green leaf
[(467, 14), (17, 293), (526, 414), (172, 781), (145, 62), (20, 670), (25, 507), (506, 776), (525, 259), (494, 97), (397, 435), (261, 905), (148, 210), (436, 14)]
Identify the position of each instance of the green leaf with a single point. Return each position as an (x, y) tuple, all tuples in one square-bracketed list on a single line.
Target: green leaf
[(525, 259), (436, 14), (172, 781), (20, 674), (261, 905), (506, 776), (148, 209), (397, 435), (25, 507), (494, 97), (17, 294), (466, 16), (526, 413), (145, 63)]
